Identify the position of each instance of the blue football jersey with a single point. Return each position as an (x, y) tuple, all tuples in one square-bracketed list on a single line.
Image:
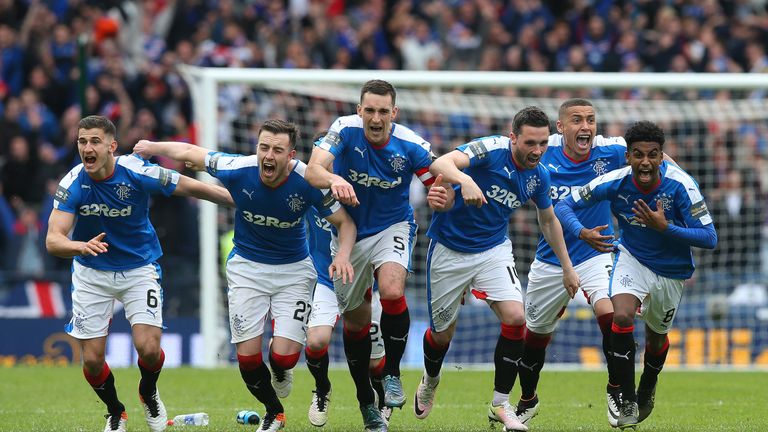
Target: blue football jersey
[(683, 204), (381, 175), (119, 207), (567, 175), (470, 229), (319, 235), (269, 222)]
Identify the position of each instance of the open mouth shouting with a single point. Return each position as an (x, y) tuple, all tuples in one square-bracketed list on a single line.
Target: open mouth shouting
[(645, 176), (268, 169), (583, 141), (89, 161)]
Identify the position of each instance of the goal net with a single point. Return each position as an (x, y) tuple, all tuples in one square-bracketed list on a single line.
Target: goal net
[(716, 127)]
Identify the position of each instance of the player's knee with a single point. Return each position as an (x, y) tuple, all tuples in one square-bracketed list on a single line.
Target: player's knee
[(317, 343), (623, 319), (149, 351), (93, 365)]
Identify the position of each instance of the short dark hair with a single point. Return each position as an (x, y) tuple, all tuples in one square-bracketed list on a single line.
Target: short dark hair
[(644, 131), (98, 122), (277, 126), (529, 116), (572, 103), (378, 87)]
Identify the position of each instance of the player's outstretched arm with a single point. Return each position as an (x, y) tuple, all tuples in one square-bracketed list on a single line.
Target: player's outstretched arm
[(320, 175), (441, 196), (450, 166), (58, 243), (341, 267), (553, 233), (192, 155), (190, 187)]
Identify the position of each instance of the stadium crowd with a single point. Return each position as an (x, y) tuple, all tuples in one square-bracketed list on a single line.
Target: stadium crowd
[(130, 77)]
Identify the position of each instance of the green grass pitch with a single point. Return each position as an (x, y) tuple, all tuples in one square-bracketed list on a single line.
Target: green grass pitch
[(59, 399)]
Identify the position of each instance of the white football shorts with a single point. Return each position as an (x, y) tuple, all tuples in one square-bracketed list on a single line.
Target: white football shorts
[(94, 293), (659, 296), (394, 244), (256, 290), (325, 312), (546, 298), (491, 274)]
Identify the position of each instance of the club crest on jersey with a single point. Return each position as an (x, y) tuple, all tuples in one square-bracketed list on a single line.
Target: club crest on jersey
[(600, 167), (123, 191), (531, 184), (295, 202), (666, 201), (397, 162)]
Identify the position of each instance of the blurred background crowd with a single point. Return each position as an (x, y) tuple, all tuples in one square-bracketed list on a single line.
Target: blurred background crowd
[(133, 47)]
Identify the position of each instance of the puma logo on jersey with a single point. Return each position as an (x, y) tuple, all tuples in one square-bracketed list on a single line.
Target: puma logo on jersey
[(361, 151), (554, 168), (250, 194), (509, 173), (625, 198), (514, 362)]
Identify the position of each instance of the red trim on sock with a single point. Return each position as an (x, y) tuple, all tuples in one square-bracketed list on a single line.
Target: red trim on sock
[(605, 321), (513, 332), (97, 380), (394, 307), (621, 330), (284, 361), (359, 335), (431, 341), (249, 362), (660, 351), (155, 367), (315, 355), (534, 340), (378, 369)]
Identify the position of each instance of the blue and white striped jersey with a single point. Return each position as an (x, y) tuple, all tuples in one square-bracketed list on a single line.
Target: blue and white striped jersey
[(567, 175), (119, 207), (470, 229), (319, 236), (683, 204), (381, 175), (269, 222)]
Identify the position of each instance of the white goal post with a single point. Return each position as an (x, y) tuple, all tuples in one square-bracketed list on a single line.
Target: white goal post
[(206, 82)]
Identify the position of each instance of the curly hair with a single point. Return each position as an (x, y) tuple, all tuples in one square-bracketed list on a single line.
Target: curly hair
[(644, 131)]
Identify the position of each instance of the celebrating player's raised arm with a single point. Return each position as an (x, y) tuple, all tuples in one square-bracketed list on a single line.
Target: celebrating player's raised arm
[(190, 187), (58, 243), (450, 165), (553, 233), (320, 175), (192, 155)]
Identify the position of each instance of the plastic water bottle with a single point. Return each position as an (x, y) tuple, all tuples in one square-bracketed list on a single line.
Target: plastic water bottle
[(248, 417), (196, 419)]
